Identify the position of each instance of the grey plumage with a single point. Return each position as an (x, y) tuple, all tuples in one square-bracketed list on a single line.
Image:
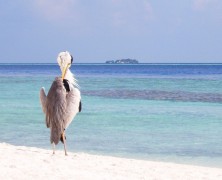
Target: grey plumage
[(60, 107)]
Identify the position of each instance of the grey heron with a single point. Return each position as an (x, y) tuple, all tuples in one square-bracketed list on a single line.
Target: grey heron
[(63, 101)]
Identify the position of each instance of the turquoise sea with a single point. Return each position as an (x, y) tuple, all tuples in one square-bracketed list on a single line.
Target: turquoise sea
[(160, 112)]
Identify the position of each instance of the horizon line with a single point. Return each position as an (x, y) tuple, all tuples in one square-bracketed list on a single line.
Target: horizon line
[(169, 63)]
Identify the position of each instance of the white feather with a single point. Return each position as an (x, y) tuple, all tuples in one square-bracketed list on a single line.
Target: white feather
[(70, 77)]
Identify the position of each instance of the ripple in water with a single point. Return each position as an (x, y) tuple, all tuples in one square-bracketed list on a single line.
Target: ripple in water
[(157, 95)]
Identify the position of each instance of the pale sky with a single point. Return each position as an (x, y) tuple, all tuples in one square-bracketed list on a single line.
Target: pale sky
[(151, 31)]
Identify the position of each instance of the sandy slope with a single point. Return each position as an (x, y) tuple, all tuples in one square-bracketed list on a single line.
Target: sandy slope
[(18, 162)]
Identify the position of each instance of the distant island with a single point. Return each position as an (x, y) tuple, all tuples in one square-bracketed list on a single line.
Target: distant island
[(123, 61)]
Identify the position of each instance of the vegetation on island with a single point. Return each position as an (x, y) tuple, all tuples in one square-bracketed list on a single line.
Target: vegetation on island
[(123, 61)]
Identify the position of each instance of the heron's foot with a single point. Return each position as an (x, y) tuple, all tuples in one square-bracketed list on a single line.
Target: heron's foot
[(53, 148)]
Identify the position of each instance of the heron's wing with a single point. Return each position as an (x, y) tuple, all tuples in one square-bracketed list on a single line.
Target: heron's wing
[(43, 99), (56, 109), (73, 101)]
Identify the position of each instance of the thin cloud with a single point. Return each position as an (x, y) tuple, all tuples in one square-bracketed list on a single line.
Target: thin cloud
[(65, 9), (126, 12), (149, 9), (55, 10), (203, 4), (89, 16)]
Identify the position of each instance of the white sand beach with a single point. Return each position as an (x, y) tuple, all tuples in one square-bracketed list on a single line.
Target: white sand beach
[(19, 162)]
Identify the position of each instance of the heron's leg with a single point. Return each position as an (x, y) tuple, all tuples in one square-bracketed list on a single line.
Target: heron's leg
[(64, 141), (53, 148)]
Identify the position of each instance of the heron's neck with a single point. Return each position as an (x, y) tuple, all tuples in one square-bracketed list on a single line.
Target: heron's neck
[(70, 77)]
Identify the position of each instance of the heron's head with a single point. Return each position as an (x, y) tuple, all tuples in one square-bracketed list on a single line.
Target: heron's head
[(65, 60)]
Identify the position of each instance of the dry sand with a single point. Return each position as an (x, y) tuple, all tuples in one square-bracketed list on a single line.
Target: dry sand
[(18, 162)]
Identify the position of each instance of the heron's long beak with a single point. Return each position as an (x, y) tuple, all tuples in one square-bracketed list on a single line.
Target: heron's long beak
[(64, 71)]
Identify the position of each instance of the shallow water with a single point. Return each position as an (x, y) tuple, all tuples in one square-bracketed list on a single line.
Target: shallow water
[(157, 112)]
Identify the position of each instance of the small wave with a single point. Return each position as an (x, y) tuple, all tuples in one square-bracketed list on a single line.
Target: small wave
[(157, 95)]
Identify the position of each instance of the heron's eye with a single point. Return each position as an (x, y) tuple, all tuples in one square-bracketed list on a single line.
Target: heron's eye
[(71, 58)]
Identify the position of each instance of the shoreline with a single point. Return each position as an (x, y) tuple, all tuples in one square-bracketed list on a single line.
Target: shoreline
[(20, 162)]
